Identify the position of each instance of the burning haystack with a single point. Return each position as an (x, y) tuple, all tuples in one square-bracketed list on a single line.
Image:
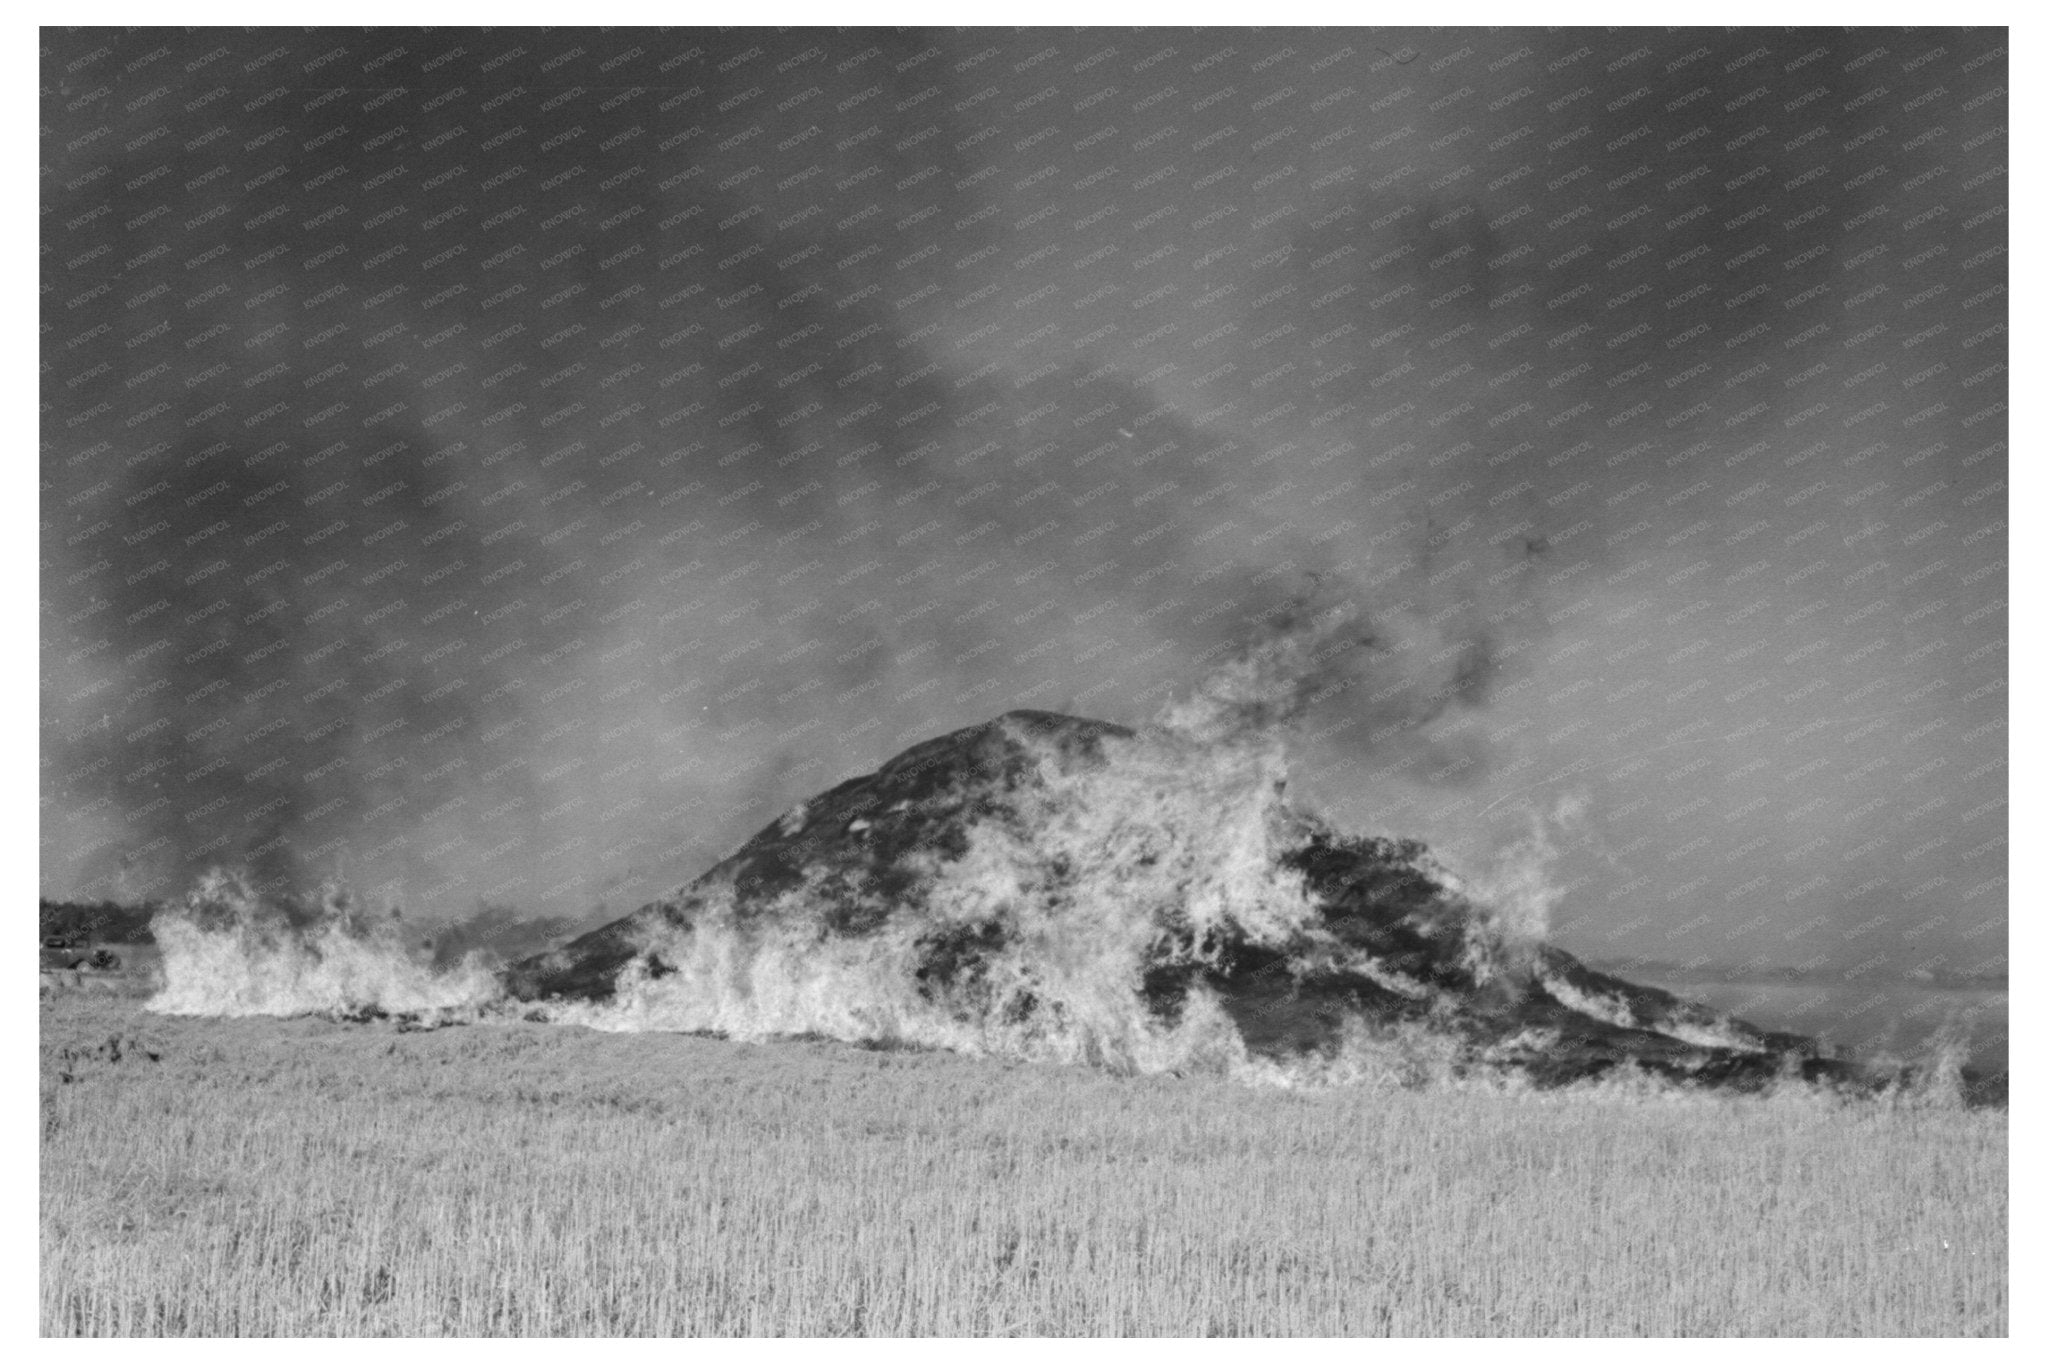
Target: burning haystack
[(1051, 887)]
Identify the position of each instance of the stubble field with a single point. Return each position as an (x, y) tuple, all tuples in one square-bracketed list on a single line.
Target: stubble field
[(307, 1177)]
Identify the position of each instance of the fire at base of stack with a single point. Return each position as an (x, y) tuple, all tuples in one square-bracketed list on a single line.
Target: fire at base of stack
[(1047, 887), (1050, 887)]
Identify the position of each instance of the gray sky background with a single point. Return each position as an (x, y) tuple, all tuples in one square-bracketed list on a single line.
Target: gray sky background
[(514, 466)]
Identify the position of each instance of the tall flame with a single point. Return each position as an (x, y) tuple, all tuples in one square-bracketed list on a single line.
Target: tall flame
[(1060, 907)]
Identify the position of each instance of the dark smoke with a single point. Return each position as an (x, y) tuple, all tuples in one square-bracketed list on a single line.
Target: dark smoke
[(508, 466)]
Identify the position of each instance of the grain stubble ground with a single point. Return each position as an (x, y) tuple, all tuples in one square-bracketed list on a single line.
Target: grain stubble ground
[(303, 1177)]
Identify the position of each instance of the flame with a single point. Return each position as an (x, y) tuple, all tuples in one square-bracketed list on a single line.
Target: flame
[(1521, 890), (227, 952), (1100, 874)]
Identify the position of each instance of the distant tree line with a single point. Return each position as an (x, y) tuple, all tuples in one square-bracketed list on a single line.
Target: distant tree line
[(101, 921)]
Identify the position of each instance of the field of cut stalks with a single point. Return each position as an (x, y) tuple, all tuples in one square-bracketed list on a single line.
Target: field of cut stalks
[(306, 1177)]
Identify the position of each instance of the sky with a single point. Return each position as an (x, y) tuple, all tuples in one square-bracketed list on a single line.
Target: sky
[(513, 466)]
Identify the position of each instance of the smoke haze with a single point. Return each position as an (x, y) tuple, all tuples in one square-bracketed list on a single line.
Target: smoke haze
[(512, 466)]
